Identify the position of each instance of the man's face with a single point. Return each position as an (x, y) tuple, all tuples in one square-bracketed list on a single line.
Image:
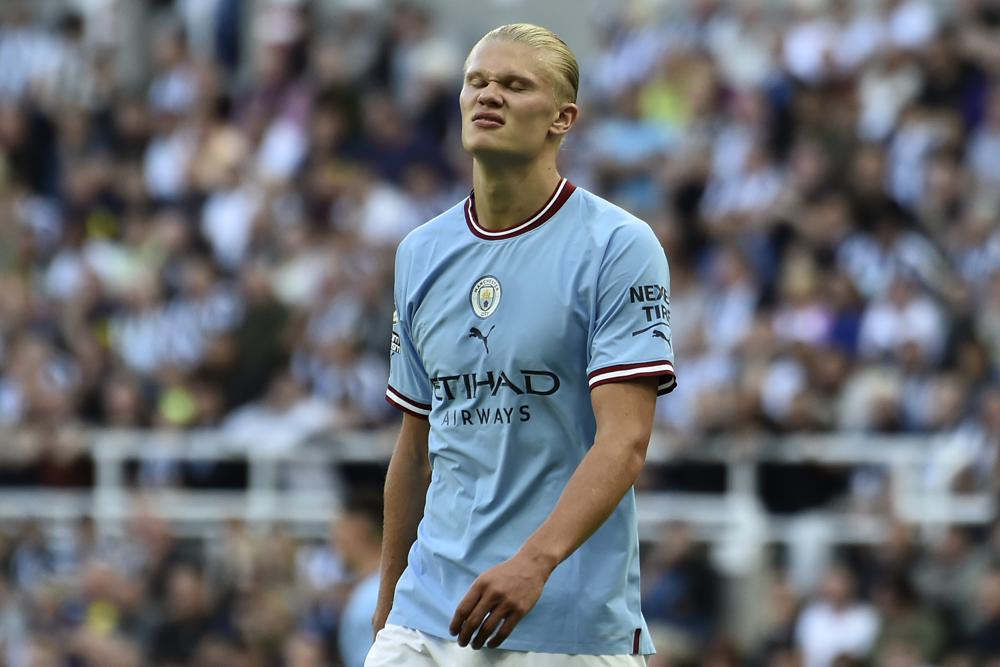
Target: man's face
[(352, 537), (509, 102)]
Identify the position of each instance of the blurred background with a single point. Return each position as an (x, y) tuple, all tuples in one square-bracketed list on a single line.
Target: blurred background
[(199, 205)]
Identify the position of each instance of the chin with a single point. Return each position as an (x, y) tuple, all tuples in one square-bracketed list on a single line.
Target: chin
[(501, 157), (491, 150)]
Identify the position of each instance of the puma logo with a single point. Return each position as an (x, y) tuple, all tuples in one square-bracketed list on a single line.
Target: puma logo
[(476, 333), (659, 334)]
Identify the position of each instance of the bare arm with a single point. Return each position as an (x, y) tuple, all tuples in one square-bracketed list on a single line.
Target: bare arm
[(507, 592), (407, 480)]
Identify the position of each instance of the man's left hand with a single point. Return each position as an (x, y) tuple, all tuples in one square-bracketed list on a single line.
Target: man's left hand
[(498, 600)]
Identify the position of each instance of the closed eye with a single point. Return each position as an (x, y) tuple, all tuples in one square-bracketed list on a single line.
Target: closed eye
[(518, 84), (513, 83)]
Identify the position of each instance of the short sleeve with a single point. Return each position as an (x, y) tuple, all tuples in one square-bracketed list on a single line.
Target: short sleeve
[(409, 388), (631, 335)]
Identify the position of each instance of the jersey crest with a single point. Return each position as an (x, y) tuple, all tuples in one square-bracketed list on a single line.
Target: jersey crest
[(485, 296)]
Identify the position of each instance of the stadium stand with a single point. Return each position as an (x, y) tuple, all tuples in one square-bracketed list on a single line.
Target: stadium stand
[(199, 206)]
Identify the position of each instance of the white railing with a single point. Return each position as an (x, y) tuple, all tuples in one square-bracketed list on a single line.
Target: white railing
[(302, 487)]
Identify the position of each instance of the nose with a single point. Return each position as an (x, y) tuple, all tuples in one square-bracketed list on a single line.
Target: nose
[(490, 96)]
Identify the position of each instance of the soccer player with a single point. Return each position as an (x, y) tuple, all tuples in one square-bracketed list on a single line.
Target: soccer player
[(357, 536), (530, 339)]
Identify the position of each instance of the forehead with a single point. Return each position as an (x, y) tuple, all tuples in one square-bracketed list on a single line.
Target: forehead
[(502, 58)]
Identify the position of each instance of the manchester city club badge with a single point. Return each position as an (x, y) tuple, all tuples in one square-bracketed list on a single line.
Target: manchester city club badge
[(485, 296)]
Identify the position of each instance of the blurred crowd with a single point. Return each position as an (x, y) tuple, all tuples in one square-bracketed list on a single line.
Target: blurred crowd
[(264, 597), (209, 244), (212, 246), (147, 598), (896, 603)]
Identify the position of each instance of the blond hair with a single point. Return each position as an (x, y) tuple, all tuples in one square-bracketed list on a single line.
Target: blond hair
[(558, 54)]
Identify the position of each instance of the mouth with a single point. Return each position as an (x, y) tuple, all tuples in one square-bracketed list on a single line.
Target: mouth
[(487, 119)]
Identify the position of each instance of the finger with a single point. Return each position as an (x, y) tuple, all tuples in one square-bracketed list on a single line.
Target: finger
[(510, 621), (489, 626), (464, 608), (474, 620)]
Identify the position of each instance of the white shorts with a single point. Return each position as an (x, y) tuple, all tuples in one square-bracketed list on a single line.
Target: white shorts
[(396, 646)]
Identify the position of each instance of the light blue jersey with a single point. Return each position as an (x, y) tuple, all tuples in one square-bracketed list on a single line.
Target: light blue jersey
[(498, 338)]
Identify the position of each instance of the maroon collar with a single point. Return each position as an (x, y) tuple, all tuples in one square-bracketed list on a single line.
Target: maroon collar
[(562, 192)]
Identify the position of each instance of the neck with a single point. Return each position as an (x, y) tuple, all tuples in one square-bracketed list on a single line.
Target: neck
[(507, 195)]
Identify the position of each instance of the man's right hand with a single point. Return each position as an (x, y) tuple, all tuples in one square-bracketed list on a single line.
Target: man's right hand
[(380, 617), (408, 478)]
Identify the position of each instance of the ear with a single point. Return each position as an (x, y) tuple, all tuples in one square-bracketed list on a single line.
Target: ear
[(565, 118)]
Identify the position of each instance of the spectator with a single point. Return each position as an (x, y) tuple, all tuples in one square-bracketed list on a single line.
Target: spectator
[(186, 617), (949, 577), (283, 418), (985, 642), (775, 631), (681, 591), (906, 626), (836, 623), (303, 651)]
